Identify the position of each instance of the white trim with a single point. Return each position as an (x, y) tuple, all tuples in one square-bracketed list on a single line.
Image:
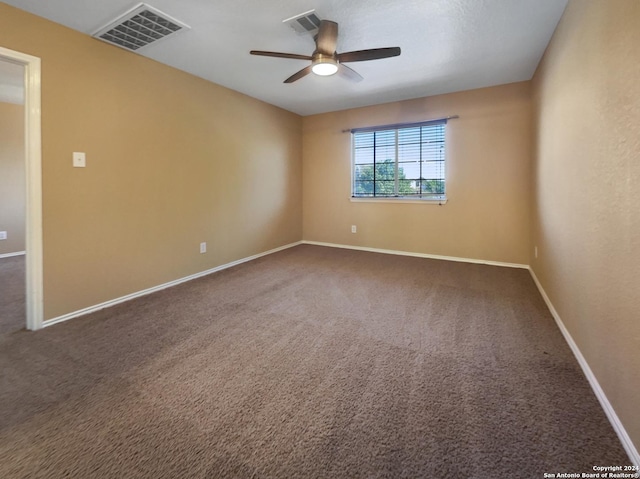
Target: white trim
[(399, 199), (128, 297), (419, 255), (627, 444), (9, 255), (33, 161)]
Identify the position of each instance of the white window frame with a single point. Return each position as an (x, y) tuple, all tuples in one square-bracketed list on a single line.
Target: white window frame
[(424, 198)]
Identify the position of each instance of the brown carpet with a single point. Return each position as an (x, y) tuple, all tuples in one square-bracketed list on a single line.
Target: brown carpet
[(12, 294), (311, 362)]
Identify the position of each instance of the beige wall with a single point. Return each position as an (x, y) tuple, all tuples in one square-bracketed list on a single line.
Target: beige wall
[(172, 161), (12, 181), (488, 168), (586, 209)]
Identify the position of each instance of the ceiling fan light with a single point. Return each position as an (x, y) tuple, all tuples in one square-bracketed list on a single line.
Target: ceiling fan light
[(324, 68)]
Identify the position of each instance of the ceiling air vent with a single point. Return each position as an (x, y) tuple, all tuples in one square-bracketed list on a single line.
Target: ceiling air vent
[(307, 22), (139, 27)]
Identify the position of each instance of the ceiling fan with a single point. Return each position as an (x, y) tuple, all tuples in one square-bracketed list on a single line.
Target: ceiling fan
[(326, 61)]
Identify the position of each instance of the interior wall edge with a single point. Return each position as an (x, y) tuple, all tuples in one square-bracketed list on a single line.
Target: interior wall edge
[(610, 412)]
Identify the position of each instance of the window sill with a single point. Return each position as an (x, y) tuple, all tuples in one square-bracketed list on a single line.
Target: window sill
[(429, 201)]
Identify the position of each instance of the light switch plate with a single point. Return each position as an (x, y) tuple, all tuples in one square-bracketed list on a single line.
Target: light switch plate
[(3, 235), (79, 159)]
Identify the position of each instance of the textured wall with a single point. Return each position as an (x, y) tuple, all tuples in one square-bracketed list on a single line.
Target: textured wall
[(172, 161), (12, 181), (586, 214), (488, 167)]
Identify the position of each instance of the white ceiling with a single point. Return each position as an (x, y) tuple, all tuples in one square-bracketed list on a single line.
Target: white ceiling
[(447, 45)]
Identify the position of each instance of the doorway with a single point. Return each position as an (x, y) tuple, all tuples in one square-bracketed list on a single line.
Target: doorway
[(12, 198), (30, 66)]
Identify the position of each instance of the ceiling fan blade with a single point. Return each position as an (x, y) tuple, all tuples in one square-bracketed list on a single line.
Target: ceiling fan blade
[(372, 54), (296, 76), (327, 38), (294, 56), (346, 72)]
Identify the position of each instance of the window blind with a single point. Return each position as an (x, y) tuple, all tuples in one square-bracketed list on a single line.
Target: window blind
[(406, 161)]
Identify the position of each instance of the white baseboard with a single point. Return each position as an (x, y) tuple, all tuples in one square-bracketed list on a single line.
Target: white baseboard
[(128, 297), (9, 255), (628, 445), (419, 255)]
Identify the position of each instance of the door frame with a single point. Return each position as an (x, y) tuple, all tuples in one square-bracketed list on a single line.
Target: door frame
[(33, 162)]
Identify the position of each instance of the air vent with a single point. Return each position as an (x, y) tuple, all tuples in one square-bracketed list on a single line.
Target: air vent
[(139, 27), (307, 22)]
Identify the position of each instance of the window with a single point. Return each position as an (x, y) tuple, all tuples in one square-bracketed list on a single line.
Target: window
[(403, 161)]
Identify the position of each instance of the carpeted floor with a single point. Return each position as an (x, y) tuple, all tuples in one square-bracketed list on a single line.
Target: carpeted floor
[(312, 362), (12, 294)]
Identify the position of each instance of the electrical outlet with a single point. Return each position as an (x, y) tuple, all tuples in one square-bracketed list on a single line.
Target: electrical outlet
[(79, 159), (203, 247), (3, 235), (535, 252), (354, 229)]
